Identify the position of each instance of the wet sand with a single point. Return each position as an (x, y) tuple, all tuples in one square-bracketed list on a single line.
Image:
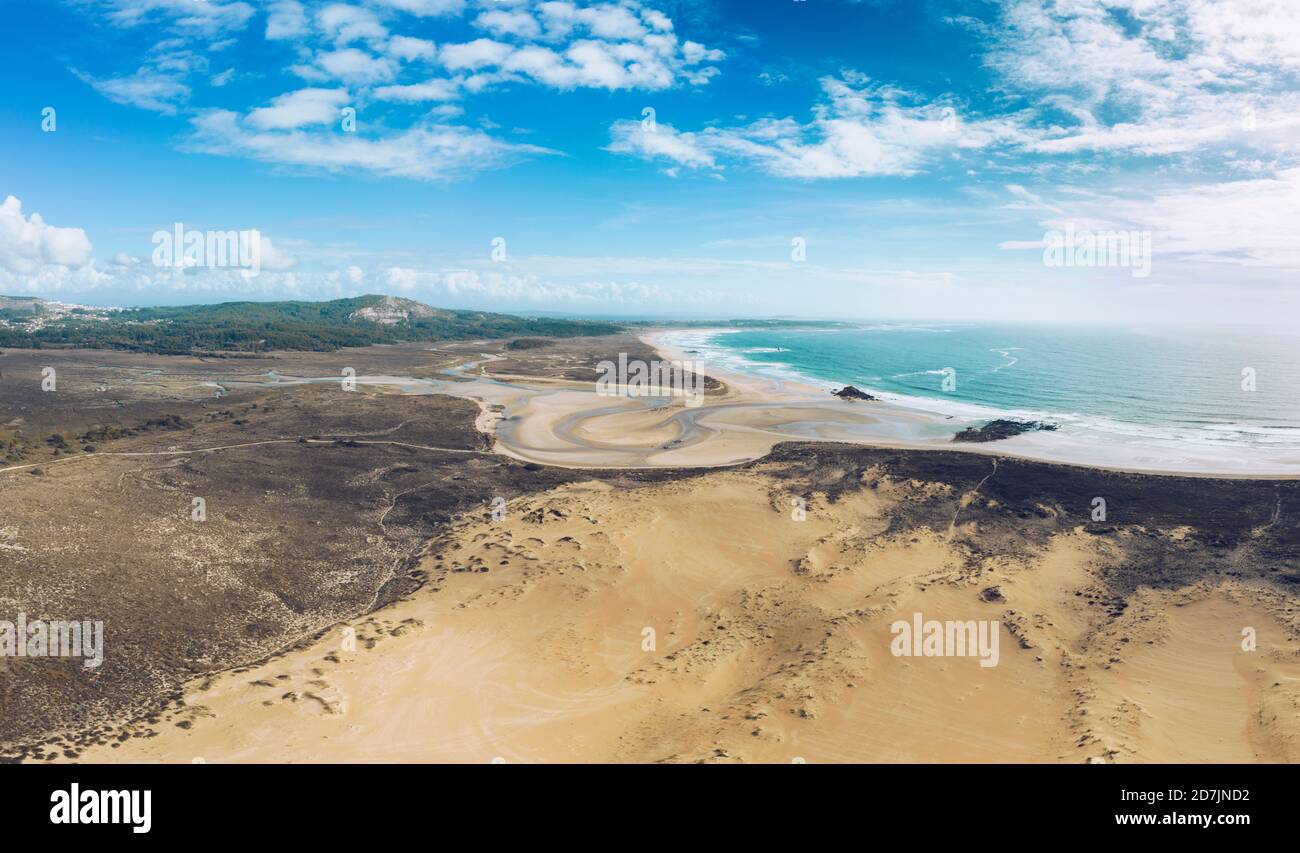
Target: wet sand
[(569, 424)]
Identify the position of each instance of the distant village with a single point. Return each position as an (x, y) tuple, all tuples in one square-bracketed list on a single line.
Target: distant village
[(30, 314)]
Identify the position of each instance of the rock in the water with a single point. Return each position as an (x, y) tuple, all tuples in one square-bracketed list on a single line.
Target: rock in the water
[(1000, 429), (848, 392)]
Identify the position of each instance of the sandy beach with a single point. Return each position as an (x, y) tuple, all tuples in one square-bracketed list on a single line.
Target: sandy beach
[(569, 424)]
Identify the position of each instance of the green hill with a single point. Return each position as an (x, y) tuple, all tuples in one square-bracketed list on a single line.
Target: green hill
[(260, 326)]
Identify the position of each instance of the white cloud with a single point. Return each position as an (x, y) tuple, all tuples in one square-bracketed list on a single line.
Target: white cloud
[(657, 20), (505, 22), (351, 65), (425, 8), (410, 49), (39, 258), (474, 55), (611, 22), (1241, 223), (861, 129), (376, 49), (564, 46), (346, 24), (1153, 77), (28, 244), (686, 149), (519, 288), (429, 152), (147, 88), (296, 109), (694, 52), (272, 258), (436, 89), (286, 20), (207, 17), (586, 63)]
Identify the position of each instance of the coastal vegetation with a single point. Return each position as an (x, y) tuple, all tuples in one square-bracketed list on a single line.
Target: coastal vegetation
[(250, 327)]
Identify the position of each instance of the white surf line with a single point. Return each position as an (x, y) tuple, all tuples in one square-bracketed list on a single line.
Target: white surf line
[(1005, 352)]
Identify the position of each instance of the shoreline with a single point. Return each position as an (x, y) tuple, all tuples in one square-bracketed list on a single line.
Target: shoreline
[(563, 423), (1050, 447)]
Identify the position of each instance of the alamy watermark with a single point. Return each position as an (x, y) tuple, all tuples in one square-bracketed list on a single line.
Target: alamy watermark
[(637, 378), (188, 247), (53, 638), (1084, 248), (934, 639), (130, 807)]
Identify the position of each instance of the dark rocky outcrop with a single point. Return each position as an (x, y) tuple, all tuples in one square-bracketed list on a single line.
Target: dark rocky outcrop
[(999, 429), (848, 392)]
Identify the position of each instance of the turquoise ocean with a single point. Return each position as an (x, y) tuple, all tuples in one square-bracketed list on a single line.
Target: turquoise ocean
[(1184, 385)]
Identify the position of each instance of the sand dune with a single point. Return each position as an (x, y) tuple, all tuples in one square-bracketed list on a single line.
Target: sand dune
[(771, 643)]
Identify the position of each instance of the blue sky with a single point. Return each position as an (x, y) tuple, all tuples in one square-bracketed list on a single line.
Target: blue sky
[(825, 158)]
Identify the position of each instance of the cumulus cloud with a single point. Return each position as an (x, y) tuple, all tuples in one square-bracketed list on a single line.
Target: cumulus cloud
[(509, 22), (286, 19), (38, 257), (273, 258), (346, 24), (565, 46), (411, 49), (299, 108), (348, 65), (606, 21), (41, 259), (473, 55), (28, 243)]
